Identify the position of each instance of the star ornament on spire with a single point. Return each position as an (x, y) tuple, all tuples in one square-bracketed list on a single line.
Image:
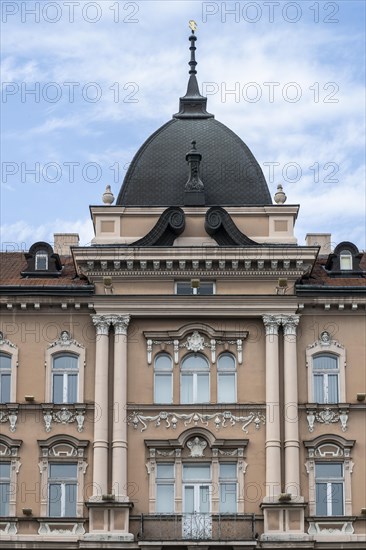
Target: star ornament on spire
[(192, 25)]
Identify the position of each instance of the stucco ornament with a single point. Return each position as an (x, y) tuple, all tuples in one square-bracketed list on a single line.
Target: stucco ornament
[(196, 342), (325, 338), (197, 447)]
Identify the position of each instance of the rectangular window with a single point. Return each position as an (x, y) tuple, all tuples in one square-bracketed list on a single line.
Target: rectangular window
[(326, 388), (195, 388), (4, 488), (62, 490), (165, 488), (329, 489), (228, 489), (185, 288)]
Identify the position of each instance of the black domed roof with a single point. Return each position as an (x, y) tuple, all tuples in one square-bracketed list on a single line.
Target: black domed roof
[(159, 171)]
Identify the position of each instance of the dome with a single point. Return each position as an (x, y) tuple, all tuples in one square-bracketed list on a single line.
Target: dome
[(159, 171)]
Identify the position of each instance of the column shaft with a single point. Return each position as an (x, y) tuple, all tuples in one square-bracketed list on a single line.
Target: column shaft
[(273, 443), (100, 445), (119, 437), (292, 444)]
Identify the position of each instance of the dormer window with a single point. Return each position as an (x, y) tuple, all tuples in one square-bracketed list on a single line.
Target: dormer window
[(345, 260), (41, 260)]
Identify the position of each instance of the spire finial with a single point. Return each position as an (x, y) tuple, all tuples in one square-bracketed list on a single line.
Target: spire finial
[(193, 104)]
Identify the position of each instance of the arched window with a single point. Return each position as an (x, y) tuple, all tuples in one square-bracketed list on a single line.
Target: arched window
[(41, 260), (5, 377), (345, 260), (226, 379), (65, 370), (195, 379), (325, 378), (163, 379)]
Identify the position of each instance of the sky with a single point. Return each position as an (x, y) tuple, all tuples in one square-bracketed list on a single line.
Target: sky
[(85, 83)]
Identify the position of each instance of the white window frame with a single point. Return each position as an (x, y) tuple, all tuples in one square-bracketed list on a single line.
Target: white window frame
[(61, 482), (197, 484), (165, 481), (64, 345), (9, 452), (325, 345), (65, 377), (195, 398), (62, 449), (227, 372), (345, 255), (10, 349), (329, 481), (228, 481), (324, 374), (43, 255), (336, 449), (158, 373)]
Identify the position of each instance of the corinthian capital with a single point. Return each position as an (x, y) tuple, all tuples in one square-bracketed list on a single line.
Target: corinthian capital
[(101, 323), (120, 323), (271, 323), (289, 323)]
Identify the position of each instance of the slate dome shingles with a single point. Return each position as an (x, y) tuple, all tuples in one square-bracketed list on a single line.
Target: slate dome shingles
[(159, 171)]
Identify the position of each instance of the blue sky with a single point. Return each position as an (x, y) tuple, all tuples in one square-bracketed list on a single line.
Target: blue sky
[(105, 75)]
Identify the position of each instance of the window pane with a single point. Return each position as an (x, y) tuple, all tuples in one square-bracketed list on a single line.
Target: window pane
[(228, 498), (186, 388), (227, 471), (4, 499), (54, 499), (318, 388), (325, 362), (5, 388), (321, 499), (226, 362), (203, 388), (199, 472), (329, 470), (345, 260), (337, 499), (5, 362), (58, 388), (72, 388), (165, 471), (41, 260), (204, 496), (163, 388), (226, 388), (165, 499), (63, 471), (195, 363), (332, 388), (65, 362), (4, 470), (206, 288), (163, 362), (70, 499), (189, 499), (184, 288)]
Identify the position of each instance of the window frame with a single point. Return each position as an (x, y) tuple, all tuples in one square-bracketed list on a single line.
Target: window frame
[(328, 449), (325, 345), (162, 481), (324, 375), (66, 373), (228, 481), (9, 349), (62, 449), (345, 255), (188, 282), (65, 345), (62, 482), (158, 374), (41, 255), (9, 453), (329, 481), (194, 373), (224, 373)]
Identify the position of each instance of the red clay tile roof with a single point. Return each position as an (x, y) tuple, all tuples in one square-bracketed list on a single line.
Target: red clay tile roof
[(320, 277), (13, 263)]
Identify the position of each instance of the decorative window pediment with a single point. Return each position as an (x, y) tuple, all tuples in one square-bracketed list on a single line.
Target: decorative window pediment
[(195, 337)]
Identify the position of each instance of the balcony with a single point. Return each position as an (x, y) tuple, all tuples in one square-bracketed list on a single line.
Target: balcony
[(194, 527)]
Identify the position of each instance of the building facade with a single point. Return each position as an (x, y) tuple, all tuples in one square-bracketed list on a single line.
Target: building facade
[(195, 377)]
